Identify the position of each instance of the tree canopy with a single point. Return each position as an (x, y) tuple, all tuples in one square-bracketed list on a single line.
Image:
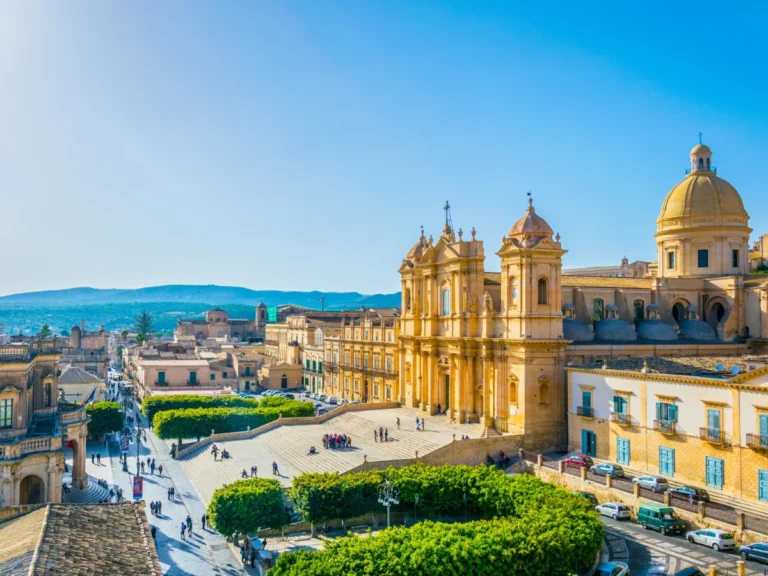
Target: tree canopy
[(45, 331), (106, 417), (246, 506), (143, 326)]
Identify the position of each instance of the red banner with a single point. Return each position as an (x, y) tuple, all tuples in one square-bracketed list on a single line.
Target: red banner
[(138, 487)]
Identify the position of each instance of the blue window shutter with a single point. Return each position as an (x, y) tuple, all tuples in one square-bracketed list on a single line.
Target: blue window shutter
[(658, 410), (763, 424), (584, 442), (673, 413), (672, 462), (616, 404)]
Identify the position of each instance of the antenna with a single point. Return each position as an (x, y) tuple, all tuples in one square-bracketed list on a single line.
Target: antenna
[(720, 367), (322, 302), (735, 370)]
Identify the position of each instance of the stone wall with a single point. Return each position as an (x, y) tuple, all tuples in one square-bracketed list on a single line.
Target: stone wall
[(11, 512)]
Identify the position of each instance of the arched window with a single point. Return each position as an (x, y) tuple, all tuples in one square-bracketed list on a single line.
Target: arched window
[(701, 163), (446, 302), (708, 166), (284, 381), (407, 297), (639, 309), (512, 295), (513, 390), (543, 393), (597, 309), (542, 291)]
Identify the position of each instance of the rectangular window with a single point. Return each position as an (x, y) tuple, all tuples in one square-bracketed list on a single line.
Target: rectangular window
[(703, 258), (375, 362), (161, 377), (622, 451), (713, 423), (446, 302), (389, 336), (193, 377), (346, 358), (388, 391), (223, 374), (357, 385), (670, 260), (620, 404), (320, 367), (666, 461), (588, 443), (365, 360), (762, 485), (346, 383), (247, 370), (375, 390), (357, 360), (376, 336), (735, 258), (213, 377), (763, 429), (586, 399), (666, 412), (714, 468), (6, 414), (366, 335), (389, 364)]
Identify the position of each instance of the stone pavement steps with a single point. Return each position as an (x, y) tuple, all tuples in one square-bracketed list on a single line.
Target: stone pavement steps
[(93, 494), (401, 444), (294, 449), (474, 430)]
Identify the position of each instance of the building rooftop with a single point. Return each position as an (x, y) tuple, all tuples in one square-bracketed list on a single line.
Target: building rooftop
[(87, 540), (683, 365), (75, 375)]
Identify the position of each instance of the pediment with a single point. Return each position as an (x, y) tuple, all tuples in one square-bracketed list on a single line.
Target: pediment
[(6, 387), (442, 251)]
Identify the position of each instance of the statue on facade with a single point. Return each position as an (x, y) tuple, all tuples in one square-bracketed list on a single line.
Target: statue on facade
[(487, 303)]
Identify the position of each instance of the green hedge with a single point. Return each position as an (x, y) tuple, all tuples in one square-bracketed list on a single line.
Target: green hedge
[(532, 527), (198, 422), (106, 417), (155, 404), (245, 506)]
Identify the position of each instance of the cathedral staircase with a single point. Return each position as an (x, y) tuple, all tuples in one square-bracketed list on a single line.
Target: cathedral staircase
[(93, 493)]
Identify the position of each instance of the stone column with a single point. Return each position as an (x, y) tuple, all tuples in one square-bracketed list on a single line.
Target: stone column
[(54, 481), (460, 408), (432, 382), (453, 391), (421, 379), (488, 374)]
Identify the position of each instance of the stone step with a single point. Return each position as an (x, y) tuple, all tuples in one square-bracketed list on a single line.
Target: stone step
[(401, 444), (474, 430), (92, 494)]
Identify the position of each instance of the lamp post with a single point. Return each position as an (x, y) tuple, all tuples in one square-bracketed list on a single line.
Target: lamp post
[(415, 503), (388, 495)]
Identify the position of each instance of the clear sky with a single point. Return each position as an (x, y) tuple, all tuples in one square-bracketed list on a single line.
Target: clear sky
[(300, 145)]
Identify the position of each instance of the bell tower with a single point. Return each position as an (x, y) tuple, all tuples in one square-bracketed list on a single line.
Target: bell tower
[(532, 320)]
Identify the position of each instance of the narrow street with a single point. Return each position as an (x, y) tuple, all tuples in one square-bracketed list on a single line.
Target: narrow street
[(205, 551), (651, 554)]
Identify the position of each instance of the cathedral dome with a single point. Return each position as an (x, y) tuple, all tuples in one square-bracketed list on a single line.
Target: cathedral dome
[(417, 249), (530, 226), (703, 194)]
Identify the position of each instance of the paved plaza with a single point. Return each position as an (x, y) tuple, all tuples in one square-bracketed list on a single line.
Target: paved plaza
[(289, 447)]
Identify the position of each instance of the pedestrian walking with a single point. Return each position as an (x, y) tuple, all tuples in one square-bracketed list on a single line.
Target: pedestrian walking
[(189, 524), (152, 507), (93, 458), (142, 467), (183, 529), (275, 471), (423, 424), (375, 436), (160, 469), (159, 507), (153, 531), (98, 458), (203, 520), (381, 434), (152, 467), (386, 435), (398, 422), (149, 460)]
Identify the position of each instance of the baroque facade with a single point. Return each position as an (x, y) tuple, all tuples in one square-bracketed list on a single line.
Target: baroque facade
[(494, 346)]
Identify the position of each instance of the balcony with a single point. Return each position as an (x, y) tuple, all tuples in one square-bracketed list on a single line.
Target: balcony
[(757, 441), (665, 426), (621, 418), (712, 435), (585, 411)]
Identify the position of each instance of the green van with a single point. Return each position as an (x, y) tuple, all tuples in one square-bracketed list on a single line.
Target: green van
[(661, 518)]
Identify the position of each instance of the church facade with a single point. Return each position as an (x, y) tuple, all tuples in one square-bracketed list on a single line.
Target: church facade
[(494, 346)]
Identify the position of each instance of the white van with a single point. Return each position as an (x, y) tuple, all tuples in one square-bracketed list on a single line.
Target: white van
[(332, 400)]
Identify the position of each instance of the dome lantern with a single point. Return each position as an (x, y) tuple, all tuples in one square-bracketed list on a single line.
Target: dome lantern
[(701, 158)]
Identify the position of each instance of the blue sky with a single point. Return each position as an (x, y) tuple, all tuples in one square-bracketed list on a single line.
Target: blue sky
[(300, 145)]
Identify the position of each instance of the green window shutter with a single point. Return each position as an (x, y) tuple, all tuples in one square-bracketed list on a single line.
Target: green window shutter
[(673, 413), (658, 410)]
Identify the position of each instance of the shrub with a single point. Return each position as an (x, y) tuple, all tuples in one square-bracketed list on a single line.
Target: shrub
[(245, 506), (155, 404), (538, 528), (106, 417), (198, 422)]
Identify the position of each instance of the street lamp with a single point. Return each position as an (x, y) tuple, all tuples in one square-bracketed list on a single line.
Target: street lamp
[(415, 503), (388, 495)]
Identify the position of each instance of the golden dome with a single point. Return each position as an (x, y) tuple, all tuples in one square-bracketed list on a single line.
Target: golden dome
[(702, 194), (416, 251), (531, 224), (700, 149)]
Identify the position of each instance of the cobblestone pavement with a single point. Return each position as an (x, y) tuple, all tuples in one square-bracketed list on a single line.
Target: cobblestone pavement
[(289, 447), (205, 551), (648, 553)]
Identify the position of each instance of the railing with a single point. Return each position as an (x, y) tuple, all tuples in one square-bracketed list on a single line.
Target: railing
[(383, 371), (163, 383), (712, 435), (586, 411), (36, 445), (665, 426), (757, 441), (73, 416), (621, 418), (193, 382), (46, 411)]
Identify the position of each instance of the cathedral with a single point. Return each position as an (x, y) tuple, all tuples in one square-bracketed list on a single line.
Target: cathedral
[(493, 347)]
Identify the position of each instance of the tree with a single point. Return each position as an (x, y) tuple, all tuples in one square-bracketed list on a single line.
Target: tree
[(45, 331), (246, 506), (106, 417), (124, 335), (143, 326)]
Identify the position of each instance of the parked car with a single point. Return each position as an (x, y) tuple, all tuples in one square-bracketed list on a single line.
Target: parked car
[(318, 406), (655, 483), (757, 551), (321, 397), (690, 571), (580, 461), (615, 510), (661, 518), (290, 396), (608, 470), (612, 569), (588, 495), (354, 402), (693, 494), (331, 400), (716, 539), (320, 411)]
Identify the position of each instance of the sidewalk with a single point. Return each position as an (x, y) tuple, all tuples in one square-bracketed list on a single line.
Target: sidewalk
[(205, 551)]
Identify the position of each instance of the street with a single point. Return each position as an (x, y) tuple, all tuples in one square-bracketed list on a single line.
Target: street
[(650, 553)]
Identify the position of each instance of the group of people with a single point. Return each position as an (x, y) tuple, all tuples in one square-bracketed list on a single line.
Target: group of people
[(382, 435), (186, 527), (502, 463), (215, 452), (156, 508), (334, 441), (254, 472), (421, 424), (248, 552), (96, 458)]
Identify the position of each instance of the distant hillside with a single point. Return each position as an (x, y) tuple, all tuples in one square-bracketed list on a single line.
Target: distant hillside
[(117, 309), (218, 295)]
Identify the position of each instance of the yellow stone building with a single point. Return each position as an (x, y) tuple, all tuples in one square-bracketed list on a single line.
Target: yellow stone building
[(493, 346)]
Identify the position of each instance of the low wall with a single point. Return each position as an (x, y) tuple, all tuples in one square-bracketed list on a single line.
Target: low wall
[(11, 512), (298, 421)]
